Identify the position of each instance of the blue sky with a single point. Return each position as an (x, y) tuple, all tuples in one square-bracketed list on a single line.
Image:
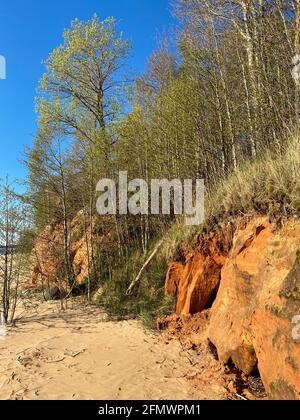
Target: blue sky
[(30, 29)]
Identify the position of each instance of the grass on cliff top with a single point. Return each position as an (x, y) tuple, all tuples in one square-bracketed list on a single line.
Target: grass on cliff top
[(268, 186)]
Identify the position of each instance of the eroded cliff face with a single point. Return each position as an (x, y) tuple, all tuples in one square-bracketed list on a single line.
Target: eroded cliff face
[(196, 280), (251, 277), (47, 257)]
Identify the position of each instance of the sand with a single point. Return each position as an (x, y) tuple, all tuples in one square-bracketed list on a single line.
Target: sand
[(79, 354)]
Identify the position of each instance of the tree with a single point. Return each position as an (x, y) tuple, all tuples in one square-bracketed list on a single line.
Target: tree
[(13, 224), (81, 92)]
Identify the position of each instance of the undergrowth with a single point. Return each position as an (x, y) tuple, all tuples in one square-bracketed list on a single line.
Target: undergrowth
[(147, 301)]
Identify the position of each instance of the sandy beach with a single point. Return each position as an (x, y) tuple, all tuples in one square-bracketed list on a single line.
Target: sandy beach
[(79, 354)]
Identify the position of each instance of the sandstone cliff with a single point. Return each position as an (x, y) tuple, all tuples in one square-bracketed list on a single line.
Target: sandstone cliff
[(47, 256), (249, 279)]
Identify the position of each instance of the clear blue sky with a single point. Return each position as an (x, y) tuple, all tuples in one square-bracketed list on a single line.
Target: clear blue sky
[(30, 29)]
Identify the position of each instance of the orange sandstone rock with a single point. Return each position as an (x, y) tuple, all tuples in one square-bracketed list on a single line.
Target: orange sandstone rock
[(251, 319), (197, 280), (258, 294), (47, 257)]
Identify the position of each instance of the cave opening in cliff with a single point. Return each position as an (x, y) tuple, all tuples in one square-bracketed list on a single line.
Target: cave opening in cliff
[(255, 385), (250, 386), (251, 383), (212, 298), (204, 300)]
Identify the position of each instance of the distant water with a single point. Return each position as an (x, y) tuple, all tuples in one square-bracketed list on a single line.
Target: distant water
[(3, 249)]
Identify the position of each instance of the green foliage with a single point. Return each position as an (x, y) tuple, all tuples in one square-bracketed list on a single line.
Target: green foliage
[(79, 92), (26, 240), (147, 301)]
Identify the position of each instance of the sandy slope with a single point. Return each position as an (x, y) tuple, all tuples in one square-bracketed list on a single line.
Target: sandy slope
[(78, 355)]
